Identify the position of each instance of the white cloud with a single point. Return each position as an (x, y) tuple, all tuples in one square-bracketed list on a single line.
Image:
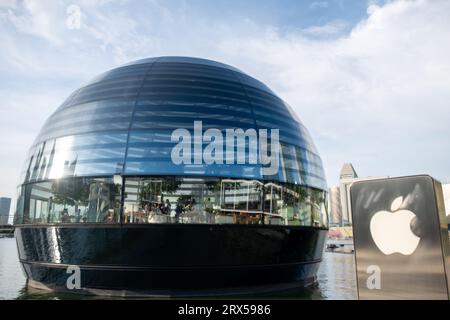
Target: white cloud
[(332, 28), (377, 96), (19, 124), (36, 18), (318, 5)]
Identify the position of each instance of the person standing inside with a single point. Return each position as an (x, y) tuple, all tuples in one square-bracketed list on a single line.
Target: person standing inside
[(178, 211)]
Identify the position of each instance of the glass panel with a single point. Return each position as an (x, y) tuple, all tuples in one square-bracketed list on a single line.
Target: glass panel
[(305, 207), (73, 200), (277, 199), (18, 215), (228, 194), (90, 154), (289, 206), (241, 196), (255, 196), (273, 203), (171, 200)]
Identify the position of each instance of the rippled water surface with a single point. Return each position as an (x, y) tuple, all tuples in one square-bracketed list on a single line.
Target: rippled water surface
[(336, 278)]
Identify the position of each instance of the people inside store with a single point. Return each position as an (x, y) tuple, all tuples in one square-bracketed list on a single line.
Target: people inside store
[(109, 218), (178, 211), (65, 218), (167, 207), (78, 216)]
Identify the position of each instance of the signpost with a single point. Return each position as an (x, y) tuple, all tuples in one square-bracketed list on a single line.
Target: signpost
[(401, 238)]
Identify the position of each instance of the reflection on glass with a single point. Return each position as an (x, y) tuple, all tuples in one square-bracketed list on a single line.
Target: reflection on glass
[(169, 199), (73, 200), (219, 201)]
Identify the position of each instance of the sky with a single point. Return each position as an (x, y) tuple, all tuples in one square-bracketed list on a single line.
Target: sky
[(369, 79)]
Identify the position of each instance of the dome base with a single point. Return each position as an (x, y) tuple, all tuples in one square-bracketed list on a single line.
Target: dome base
[(167, 260)]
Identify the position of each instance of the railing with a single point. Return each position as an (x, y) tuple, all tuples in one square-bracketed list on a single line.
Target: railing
[(6, 230)]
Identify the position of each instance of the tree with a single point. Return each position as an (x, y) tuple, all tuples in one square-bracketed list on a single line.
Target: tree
[(153, 188), (71, 191)]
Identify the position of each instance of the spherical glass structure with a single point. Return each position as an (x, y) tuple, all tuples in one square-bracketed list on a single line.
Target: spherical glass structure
[(107, 153), (176, 175)]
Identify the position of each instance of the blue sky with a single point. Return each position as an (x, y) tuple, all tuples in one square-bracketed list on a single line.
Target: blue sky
[(370, 79), (280, 13)]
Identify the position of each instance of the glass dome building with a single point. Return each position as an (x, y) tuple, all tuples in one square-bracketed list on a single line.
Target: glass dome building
[(172, 173)]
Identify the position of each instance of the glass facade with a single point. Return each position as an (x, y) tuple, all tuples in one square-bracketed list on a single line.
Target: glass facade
[(120, 125), (170, 199), (221, 201), (70, 200)]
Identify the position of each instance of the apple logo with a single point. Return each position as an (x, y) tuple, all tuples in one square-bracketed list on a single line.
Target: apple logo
[(391, 230)]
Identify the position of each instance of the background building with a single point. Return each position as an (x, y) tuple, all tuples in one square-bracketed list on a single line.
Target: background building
[(5, 204), (339, 196), (335, 207), (347, 177)]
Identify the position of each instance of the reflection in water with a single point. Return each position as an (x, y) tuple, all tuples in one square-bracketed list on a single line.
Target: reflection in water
[(12, 279), (337, 276), (336, 279)]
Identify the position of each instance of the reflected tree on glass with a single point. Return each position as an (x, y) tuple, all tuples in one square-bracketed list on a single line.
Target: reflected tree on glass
[(152, 189), (70, 192)]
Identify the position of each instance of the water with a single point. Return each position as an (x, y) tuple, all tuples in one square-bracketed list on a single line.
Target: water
[(336, 278), (12, 280)]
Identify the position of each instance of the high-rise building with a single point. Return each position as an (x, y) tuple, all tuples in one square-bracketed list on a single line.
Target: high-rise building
[(5, 204), (339, 196), (347, 176), (335, 206)]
